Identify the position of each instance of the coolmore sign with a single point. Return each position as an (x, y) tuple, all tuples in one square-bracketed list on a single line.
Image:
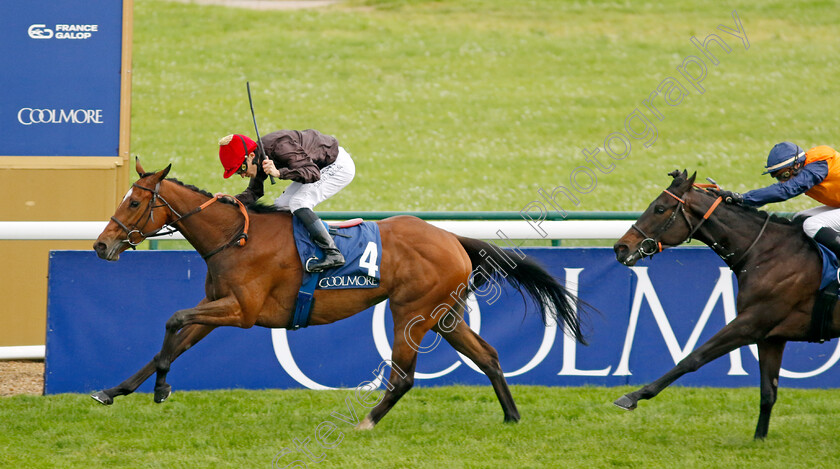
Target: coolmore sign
[(106, 320), (64, 92)]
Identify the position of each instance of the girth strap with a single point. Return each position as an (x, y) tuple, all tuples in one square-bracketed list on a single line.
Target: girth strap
[(822, 312)]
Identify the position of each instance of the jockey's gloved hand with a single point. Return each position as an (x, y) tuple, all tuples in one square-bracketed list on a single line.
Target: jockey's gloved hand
[(731, 197)]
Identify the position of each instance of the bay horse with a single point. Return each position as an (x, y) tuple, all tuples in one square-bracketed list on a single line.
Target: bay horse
[(423, 268), (777, 267)]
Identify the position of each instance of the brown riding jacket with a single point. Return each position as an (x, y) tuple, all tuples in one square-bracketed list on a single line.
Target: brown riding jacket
[(298, 155)]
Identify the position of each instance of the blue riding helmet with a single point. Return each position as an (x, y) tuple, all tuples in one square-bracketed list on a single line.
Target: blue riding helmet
[(783, 155)]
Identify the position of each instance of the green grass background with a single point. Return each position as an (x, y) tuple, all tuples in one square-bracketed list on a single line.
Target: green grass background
[(449, 427), (477, 104), (465, 105)]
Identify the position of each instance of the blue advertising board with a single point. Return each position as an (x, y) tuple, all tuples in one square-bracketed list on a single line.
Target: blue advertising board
[(62, 77), (106, 320)]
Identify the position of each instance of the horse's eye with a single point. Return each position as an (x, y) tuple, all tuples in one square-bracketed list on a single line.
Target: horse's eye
[(134, 204), (659, 209)]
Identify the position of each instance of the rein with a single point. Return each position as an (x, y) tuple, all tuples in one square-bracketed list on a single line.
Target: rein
[(755, 241), (238, 240), (651, 245)]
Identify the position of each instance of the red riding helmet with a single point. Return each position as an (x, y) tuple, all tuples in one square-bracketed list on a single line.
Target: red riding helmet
[(232, 152)]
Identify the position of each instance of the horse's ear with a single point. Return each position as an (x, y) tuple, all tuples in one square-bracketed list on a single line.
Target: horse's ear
[(692, 178), (162, 174), (138, 167)]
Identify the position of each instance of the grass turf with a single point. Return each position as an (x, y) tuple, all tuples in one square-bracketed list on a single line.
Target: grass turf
[(465, 105), (477, 104), (458, 426)]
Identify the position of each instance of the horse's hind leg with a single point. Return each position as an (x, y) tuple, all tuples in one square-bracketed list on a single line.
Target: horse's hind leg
[(769, 363), (401, 379), (466, 341), (185, 339), (403, 362)]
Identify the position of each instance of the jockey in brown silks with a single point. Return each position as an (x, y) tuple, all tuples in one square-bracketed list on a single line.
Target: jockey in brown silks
[(316, 164)]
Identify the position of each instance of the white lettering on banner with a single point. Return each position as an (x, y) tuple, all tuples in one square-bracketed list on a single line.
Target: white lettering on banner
[(644, 289), (77, 27), (723, 292), (283, 352), (569, 343), (380, 337), (29, 116), (783, 373), (62, 31)]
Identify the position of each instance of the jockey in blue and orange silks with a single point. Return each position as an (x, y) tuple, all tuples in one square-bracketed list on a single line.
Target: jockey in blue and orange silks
[(815, 173)]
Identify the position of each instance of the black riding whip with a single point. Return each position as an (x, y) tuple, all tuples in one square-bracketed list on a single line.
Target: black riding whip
[(259, 141)]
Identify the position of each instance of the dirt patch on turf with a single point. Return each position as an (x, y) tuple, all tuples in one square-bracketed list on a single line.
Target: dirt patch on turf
[(21, 377)]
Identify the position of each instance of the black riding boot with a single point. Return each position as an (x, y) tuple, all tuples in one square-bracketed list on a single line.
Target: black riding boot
[(321, 236), (829, 238)]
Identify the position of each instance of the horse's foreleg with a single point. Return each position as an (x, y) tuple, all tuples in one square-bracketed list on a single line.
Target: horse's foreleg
[(223, 312), (769, 362), (185, 339), (466, 341), (733, 335)]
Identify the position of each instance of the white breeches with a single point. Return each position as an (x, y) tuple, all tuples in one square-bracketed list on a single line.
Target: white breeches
[(819, 217), (333, 178)]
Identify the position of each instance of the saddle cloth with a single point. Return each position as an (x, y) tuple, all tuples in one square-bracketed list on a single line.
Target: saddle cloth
[(361, 246), (821, 314), (830, 266)]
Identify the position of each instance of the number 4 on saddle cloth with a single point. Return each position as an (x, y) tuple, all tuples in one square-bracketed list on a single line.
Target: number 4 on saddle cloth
[(361, 245)]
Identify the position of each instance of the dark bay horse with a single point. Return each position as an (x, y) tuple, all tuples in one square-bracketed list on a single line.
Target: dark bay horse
[(422, 269), (777, 268)]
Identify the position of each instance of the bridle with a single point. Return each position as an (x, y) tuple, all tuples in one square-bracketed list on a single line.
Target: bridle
[(169, 228), (651, 245)]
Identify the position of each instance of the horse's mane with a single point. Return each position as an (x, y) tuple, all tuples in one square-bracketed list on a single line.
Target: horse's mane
[(262, 208), (256, 207), (762, 214), (191, 187), (200, 191)]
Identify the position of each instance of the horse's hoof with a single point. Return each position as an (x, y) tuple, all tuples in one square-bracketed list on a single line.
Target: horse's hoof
[(625, 403), (366, 424), (162, 394), (102, 398)]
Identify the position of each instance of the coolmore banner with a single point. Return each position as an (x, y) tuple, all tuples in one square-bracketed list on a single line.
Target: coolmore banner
[(106, 320), (60, 89)]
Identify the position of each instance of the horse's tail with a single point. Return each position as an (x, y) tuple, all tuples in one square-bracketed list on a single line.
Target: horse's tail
[(554, 299)]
